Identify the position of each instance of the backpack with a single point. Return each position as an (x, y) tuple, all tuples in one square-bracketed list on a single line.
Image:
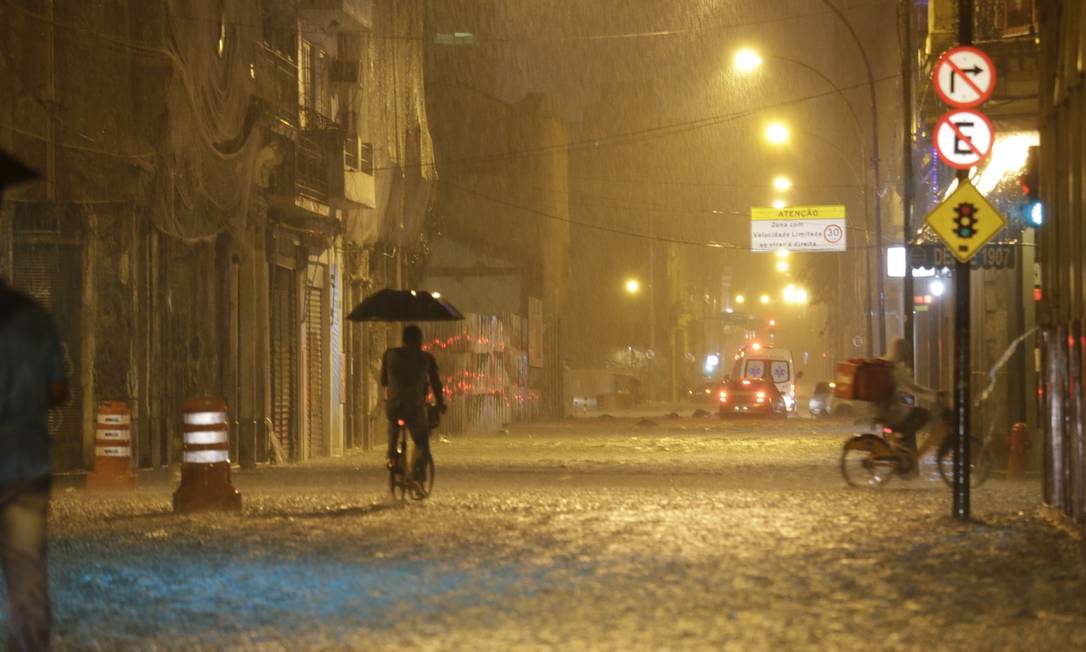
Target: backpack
[(861, 379)]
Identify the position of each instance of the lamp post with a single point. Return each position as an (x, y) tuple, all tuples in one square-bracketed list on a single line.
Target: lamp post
[(874, 169), (748, 60)]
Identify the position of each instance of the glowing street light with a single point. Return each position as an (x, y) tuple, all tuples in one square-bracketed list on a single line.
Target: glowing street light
[(783, 254), (794, 295), (747, 60), (764, 299), (740, 299), (782, 266), (777, 133), (937, 288), (779, 204), (782, 183), (633, 286)]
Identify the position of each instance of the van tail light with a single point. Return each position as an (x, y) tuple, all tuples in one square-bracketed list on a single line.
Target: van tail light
[(723, 397), (760, 397)]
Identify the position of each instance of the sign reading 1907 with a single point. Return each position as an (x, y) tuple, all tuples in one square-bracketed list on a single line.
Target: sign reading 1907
[(990, 256)]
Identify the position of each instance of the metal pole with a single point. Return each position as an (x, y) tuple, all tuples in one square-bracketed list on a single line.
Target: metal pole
[(907, 189), (961, 331), (879, 268), (867, 307), (652, 310)]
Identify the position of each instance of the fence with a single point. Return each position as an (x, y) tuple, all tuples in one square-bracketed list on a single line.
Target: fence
[(484, 367)]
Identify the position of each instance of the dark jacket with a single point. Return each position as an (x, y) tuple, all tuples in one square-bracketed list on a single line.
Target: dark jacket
[(408, 373), (30, 360)]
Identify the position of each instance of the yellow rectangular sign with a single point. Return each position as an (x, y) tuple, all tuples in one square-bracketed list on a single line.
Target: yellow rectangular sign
[(798, 228), (829, 212)]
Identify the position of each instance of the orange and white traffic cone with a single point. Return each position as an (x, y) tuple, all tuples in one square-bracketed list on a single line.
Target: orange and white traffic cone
[(112, 448), (205, 462)]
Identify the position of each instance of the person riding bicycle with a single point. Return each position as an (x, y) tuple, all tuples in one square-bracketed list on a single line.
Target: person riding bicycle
[(406, 373), (903, 415)]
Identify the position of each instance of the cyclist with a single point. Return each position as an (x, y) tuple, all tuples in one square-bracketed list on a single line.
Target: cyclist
[(406, 373), (903, 415)]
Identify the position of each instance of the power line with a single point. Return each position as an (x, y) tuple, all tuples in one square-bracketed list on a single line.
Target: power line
[(534, 38), (639, 135), (614, 230)]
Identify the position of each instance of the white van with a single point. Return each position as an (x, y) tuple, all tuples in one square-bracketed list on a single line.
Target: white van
[(759, 362)]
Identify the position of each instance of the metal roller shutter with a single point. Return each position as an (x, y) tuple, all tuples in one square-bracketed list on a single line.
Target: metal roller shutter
[(284, 363), (314, 354)]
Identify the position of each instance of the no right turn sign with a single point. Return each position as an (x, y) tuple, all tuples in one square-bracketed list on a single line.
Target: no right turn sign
[(964, 77)]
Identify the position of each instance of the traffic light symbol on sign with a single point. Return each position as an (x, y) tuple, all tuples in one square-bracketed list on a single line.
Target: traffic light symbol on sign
[(965, 222)]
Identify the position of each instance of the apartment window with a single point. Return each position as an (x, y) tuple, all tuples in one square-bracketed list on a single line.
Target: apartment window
[(306, 91)]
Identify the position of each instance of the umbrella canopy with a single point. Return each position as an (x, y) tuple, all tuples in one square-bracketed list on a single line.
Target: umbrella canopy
[(12, 171), (404, 305)]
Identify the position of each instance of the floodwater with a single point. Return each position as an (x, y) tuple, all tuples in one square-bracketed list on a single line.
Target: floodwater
[(589, 534)]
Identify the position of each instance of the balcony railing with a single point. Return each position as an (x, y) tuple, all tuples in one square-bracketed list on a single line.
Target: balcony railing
[(276, 79), (998, 19)]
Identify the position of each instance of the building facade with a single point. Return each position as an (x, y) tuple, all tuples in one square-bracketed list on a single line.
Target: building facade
[(1062, 255), (222, 183)]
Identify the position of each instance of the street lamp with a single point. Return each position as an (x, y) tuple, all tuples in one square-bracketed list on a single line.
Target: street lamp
[(874, 168), (633, 286), (746, 60), (779, 204), (764, 299), (782, 183), (782, 266), (777, 133), (740, 299)]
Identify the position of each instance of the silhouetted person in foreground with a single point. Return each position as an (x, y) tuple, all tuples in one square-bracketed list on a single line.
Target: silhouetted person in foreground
[(407, 372), (31, 380)]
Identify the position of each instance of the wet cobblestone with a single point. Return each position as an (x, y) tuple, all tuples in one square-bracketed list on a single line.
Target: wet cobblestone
[(597, 534)]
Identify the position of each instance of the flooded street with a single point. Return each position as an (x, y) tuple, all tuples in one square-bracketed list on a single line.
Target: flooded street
[(592, 533)]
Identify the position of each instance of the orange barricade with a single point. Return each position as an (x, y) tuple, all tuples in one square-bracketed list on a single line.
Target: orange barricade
[(205, 462), (112, 448)]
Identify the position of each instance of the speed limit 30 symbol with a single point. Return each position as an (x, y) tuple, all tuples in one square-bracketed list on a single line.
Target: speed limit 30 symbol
[(833, 234), (963, 138)]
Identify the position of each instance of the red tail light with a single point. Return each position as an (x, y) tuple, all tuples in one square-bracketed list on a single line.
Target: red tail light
[(401, 423), (723, 397), (760, 397)]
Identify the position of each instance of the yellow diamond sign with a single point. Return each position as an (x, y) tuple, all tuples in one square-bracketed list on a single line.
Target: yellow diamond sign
[(965, 221)]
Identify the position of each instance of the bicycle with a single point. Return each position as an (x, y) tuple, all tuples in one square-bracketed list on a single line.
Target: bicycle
[(401, 475), (872, 459)]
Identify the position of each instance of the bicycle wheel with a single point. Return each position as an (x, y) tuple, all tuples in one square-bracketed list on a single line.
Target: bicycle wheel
[(397, 474), (420, 489), (980, 467), (867, 461)]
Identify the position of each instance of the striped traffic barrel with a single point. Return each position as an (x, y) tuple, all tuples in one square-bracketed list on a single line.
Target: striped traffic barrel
[(205, 458), (112, 448)]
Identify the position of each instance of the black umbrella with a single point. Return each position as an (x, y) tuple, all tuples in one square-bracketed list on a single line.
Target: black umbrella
[(404, 305), (13, 171)]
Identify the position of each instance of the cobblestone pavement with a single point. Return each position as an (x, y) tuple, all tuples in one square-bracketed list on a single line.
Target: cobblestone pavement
[(599, 534)]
